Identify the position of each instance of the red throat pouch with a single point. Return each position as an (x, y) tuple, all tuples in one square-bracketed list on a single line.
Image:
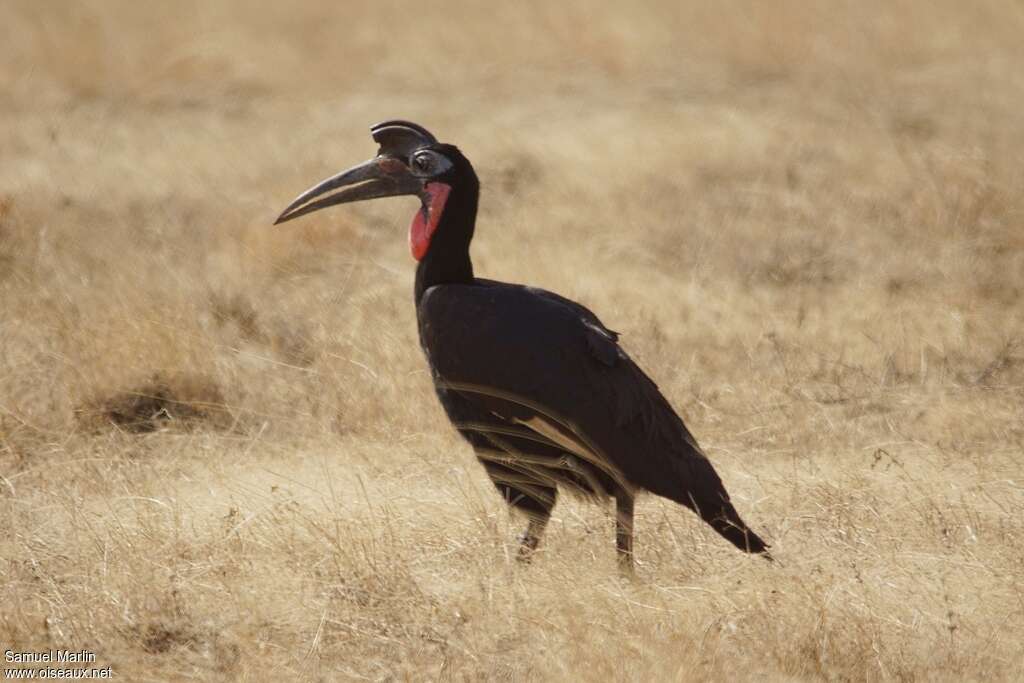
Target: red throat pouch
[(424, 223)]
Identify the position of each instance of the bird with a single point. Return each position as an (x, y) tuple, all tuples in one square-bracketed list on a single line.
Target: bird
[(538, 386)]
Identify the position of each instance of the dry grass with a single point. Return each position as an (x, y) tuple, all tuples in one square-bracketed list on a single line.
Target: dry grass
[(806, 220)]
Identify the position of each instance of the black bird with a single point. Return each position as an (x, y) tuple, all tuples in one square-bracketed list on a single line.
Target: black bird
[(535, 382)]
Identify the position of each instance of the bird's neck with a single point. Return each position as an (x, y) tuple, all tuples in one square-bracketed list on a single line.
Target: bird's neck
[(447, 260)]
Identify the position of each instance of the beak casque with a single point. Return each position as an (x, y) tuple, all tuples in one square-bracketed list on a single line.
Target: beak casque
[(386, 175)]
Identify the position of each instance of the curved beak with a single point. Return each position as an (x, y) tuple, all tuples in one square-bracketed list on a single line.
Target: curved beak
[(382, 176)]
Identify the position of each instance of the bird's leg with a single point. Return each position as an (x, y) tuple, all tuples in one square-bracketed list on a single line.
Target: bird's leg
[(624, 531), (523, 492), (531, 537)]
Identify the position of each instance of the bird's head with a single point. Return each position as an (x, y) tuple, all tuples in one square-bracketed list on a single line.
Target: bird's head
[(410, 161)]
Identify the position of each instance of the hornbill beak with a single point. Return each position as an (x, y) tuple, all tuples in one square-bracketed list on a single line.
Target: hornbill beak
[(382, 176), (386, 175)]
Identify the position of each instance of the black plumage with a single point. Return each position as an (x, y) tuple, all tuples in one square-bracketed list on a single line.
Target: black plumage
[(535, 382)]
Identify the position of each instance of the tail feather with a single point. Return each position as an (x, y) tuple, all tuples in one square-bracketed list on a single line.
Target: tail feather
[(698, 487), (724, 519), (740, 535)]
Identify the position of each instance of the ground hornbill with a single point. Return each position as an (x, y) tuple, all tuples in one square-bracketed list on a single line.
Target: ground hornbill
[(534, 382)]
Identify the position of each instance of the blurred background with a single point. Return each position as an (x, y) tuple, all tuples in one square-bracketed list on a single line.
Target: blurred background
[(845, 170), (805, 218)]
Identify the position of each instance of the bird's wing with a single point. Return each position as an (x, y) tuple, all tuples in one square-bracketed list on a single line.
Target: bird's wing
[(542, 361)]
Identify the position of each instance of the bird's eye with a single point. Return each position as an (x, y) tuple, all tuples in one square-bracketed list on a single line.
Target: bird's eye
[(430, 164), (421, 163)]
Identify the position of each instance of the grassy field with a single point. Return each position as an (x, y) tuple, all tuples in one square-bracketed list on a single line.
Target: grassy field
[(220, 454)]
